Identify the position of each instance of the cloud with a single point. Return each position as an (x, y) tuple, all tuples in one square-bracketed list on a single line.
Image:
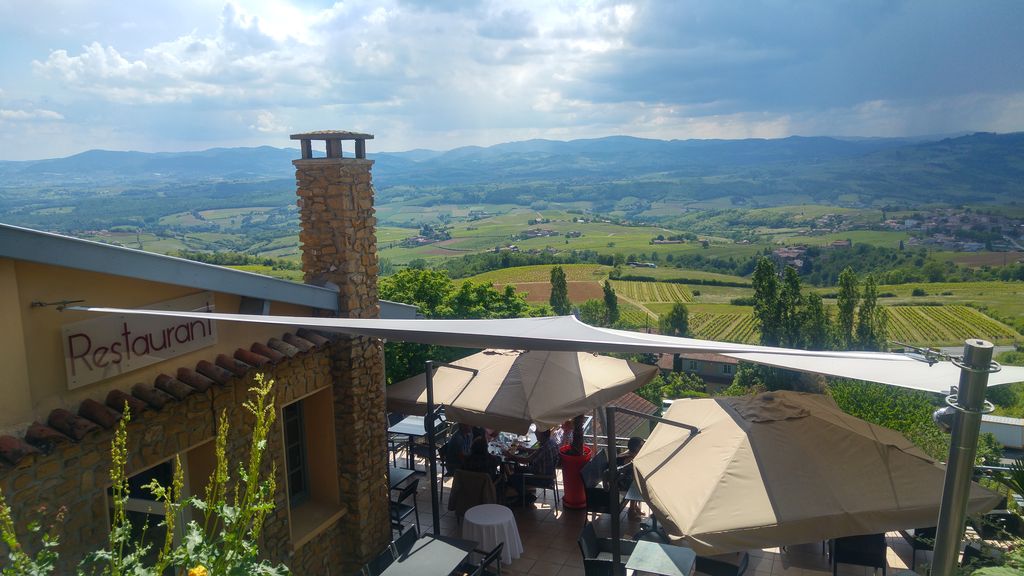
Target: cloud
[(267, 122), (26, 115), (444, 74)]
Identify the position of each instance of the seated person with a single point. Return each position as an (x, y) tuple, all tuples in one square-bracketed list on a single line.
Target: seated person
[(625, 463), (541, 461), (458, 447), (563, 434), (480, 460)]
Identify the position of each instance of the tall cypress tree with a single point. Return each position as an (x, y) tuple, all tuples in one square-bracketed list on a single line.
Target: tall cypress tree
[(791, 303), (559, 292), (766, 302), (871, 330), (611, 302), (815, 323), (846, 301)]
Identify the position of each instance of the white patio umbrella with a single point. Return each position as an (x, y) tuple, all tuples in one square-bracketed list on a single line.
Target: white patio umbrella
[(512, 388), (785, 468)]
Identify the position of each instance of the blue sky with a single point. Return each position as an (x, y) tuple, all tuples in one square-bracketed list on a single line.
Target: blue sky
[(190, 75)]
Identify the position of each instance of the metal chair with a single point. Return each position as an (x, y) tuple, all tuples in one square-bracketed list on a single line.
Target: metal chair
[(600, 549), (542, 481), (864, 550), (489, 558), (381, 562), (400, 510), (405, 541)]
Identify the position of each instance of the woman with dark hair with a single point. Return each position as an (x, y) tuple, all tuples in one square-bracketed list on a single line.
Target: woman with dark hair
[(480, 460)]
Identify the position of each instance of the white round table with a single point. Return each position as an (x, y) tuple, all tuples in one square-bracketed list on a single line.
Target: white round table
[(491, 524)]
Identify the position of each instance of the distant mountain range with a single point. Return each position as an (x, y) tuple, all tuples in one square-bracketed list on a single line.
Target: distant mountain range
[(980, 167)]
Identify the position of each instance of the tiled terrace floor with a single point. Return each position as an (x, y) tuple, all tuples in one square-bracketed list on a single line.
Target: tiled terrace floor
[(550, 549)]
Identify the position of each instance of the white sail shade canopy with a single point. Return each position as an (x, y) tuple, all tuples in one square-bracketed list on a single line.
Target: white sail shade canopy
[(566, 333)]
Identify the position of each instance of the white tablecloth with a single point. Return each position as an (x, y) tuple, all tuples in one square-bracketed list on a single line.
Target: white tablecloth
[(490, 524)]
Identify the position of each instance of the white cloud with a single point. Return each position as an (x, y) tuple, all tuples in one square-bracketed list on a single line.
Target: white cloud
[(443, 74), (267, 122), (24, 115)]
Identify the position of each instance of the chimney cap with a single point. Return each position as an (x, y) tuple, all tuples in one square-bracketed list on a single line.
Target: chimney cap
[(332, 135)]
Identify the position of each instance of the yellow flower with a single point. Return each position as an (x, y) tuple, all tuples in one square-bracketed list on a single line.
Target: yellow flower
[(199, 571)]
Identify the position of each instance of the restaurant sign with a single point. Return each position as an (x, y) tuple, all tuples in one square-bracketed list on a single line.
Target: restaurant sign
[(105, 347)]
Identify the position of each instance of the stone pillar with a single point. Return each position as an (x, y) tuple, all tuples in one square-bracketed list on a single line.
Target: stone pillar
[(339, 247)]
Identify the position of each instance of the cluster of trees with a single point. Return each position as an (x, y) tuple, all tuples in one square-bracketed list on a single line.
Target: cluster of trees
[(603, 312), (787, 317), (674, 385), (238, 259), (437, 296)]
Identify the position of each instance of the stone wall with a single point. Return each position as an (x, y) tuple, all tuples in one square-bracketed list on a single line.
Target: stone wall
[(339, 247), (76, 476)]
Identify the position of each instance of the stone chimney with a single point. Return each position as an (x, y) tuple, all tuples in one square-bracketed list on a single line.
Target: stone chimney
[(339, 247), (339, 243)]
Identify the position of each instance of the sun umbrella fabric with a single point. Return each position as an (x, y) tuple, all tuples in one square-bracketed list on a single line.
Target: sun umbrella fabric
[(785, 468), (513, 388)]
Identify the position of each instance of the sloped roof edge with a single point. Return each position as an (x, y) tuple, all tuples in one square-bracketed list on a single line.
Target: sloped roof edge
[(55, 249)]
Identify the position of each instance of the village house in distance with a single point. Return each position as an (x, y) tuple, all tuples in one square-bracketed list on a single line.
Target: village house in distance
[(69, 374)]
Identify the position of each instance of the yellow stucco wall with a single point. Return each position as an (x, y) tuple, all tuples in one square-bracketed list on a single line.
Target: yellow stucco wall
[(32, 352)]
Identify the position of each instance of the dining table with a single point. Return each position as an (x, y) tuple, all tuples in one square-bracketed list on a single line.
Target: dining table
[(411, 427), (663, 559), (431, 555)]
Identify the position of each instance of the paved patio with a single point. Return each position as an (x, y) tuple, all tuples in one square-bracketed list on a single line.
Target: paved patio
[(550, 549)]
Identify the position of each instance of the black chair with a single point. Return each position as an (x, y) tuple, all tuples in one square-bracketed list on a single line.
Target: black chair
[(599, 550), (489, 558), (381, 562), (864, 550), (400, 509), (715, 567), (919, 539), (543, 481), (405, 541), (592, 474)]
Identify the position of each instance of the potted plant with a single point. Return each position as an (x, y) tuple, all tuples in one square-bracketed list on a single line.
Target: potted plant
[(573, 457)]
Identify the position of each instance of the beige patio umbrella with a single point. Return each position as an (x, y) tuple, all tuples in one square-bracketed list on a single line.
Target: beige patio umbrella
[(785, 468), (512, 388)]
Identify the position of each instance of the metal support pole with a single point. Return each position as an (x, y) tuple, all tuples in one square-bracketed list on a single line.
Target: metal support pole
[(963, 446), (613, 492), (428, 423)]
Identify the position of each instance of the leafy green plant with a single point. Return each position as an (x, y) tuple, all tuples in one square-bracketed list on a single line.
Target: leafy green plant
[(20, 562), (233, 514)]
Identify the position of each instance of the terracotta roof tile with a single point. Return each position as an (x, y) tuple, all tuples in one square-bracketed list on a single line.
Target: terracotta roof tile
[(13, 449), (313, 337), (194, 379), (71, 425), (43, 437), (626, 424), (236, 367), (299, 342), (173, 386), (156, 399), (98, 413), (65, 426), (264, 350), (251, 358), (283, 347), (213, 372), (116, 399)]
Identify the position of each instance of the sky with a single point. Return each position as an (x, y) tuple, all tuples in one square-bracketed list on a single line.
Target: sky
[(439, 74)]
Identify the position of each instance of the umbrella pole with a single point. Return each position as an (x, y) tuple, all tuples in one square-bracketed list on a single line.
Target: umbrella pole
[(963, 447), (429, 423), (613, 491)]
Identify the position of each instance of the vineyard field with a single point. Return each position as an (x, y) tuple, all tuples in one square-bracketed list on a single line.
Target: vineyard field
[(653, 291), (949, 324), (541, 273), (738, 327)]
